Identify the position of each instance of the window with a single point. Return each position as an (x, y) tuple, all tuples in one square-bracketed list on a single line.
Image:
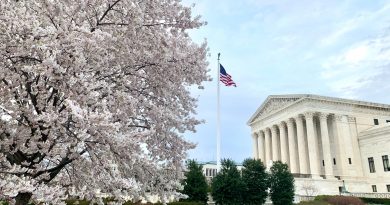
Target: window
[(376, 122), (349, 160), (323, 163), (387, 121), (388, 187), (371, 164), (334, 160), (373, 188), (385, 160)]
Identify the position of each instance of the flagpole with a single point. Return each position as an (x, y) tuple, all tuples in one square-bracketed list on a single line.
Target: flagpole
[(218, 121)]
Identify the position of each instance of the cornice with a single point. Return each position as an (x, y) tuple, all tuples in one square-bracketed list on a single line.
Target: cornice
[(360, 106)]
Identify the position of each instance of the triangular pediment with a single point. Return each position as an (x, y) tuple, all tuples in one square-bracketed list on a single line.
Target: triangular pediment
[(272, 104)]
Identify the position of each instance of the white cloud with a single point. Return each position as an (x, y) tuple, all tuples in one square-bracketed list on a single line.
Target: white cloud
[(364, 19), (357, 54), (340, 30), (358, 67)]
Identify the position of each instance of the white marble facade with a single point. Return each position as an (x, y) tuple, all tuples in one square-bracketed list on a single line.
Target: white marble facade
[(325, 140)]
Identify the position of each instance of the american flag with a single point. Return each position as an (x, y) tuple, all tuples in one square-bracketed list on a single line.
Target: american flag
[(225, 77)]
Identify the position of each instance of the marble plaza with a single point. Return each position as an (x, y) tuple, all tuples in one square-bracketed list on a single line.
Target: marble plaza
[(330, 144)]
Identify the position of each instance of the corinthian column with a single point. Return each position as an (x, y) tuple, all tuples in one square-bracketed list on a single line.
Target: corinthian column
[(260, 146), (268, 154), (312, 145), (254, 146), (283, 143), (326, 145), (341, 132), (275, 148), (292, 144), (302, 148)]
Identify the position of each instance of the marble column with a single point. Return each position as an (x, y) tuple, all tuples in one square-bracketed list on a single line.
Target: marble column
[(260, 146), (275, 147), (302, 148), (283, 143), (356, 160), (312, 142), (255, 153), (268, 154), (342, 131), (326, 145), (292, 144)]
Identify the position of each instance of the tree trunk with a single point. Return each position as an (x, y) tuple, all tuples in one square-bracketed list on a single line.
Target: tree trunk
[(23, 198)]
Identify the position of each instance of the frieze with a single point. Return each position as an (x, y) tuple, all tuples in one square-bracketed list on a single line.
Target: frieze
[(353, 107)]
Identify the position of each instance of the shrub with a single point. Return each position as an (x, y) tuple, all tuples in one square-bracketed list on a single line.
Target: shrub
[(344, 200), (322, 197), (376, 201)]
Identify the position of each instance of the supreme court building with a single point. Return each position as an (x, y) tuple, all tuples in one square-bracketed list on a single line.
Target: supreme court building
[(330, 144)]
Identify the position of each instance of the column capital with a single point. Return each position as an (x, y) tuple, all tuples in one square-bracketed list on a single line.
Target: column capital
[(308, 115), (340, 117), (290, 122), (298, 117), (266, 130), (274, 128), (323, 115), (260, 132), (351, 119), (282, 124), (254, 134)]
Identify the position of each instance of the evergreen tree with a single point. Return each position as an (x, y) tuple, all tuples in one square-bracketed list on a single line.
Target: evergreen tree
[(195, 184), (254, 178), (227, 187), (281, 183)]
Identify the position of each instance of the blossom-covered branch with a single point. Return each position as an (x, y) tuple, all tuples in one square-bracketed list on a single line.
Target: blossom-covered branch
[(94, 97)]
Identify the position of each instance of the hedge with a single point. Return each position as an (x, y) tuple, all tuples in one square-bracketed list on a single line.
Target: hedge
[(381, 201), (376, 200)]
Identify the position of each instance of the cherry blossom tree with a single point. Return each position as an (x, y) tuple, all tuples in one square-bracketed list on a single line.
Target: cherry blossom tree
[(95, 96)]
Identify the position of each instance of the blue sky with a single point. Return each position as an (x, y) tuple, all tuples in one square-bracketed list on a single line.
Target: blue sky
[(338, 48)]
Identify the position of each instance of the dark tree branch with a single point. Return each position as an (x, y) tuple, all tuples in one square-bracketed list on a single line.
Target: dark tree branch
[(110, 7)]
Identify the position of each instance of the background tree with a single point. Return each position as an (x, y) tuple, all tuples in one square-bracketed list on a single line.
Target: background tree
[(281, 183), (255, 179), (309, 188), (227, 185), (94, 95), (195, 184)]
